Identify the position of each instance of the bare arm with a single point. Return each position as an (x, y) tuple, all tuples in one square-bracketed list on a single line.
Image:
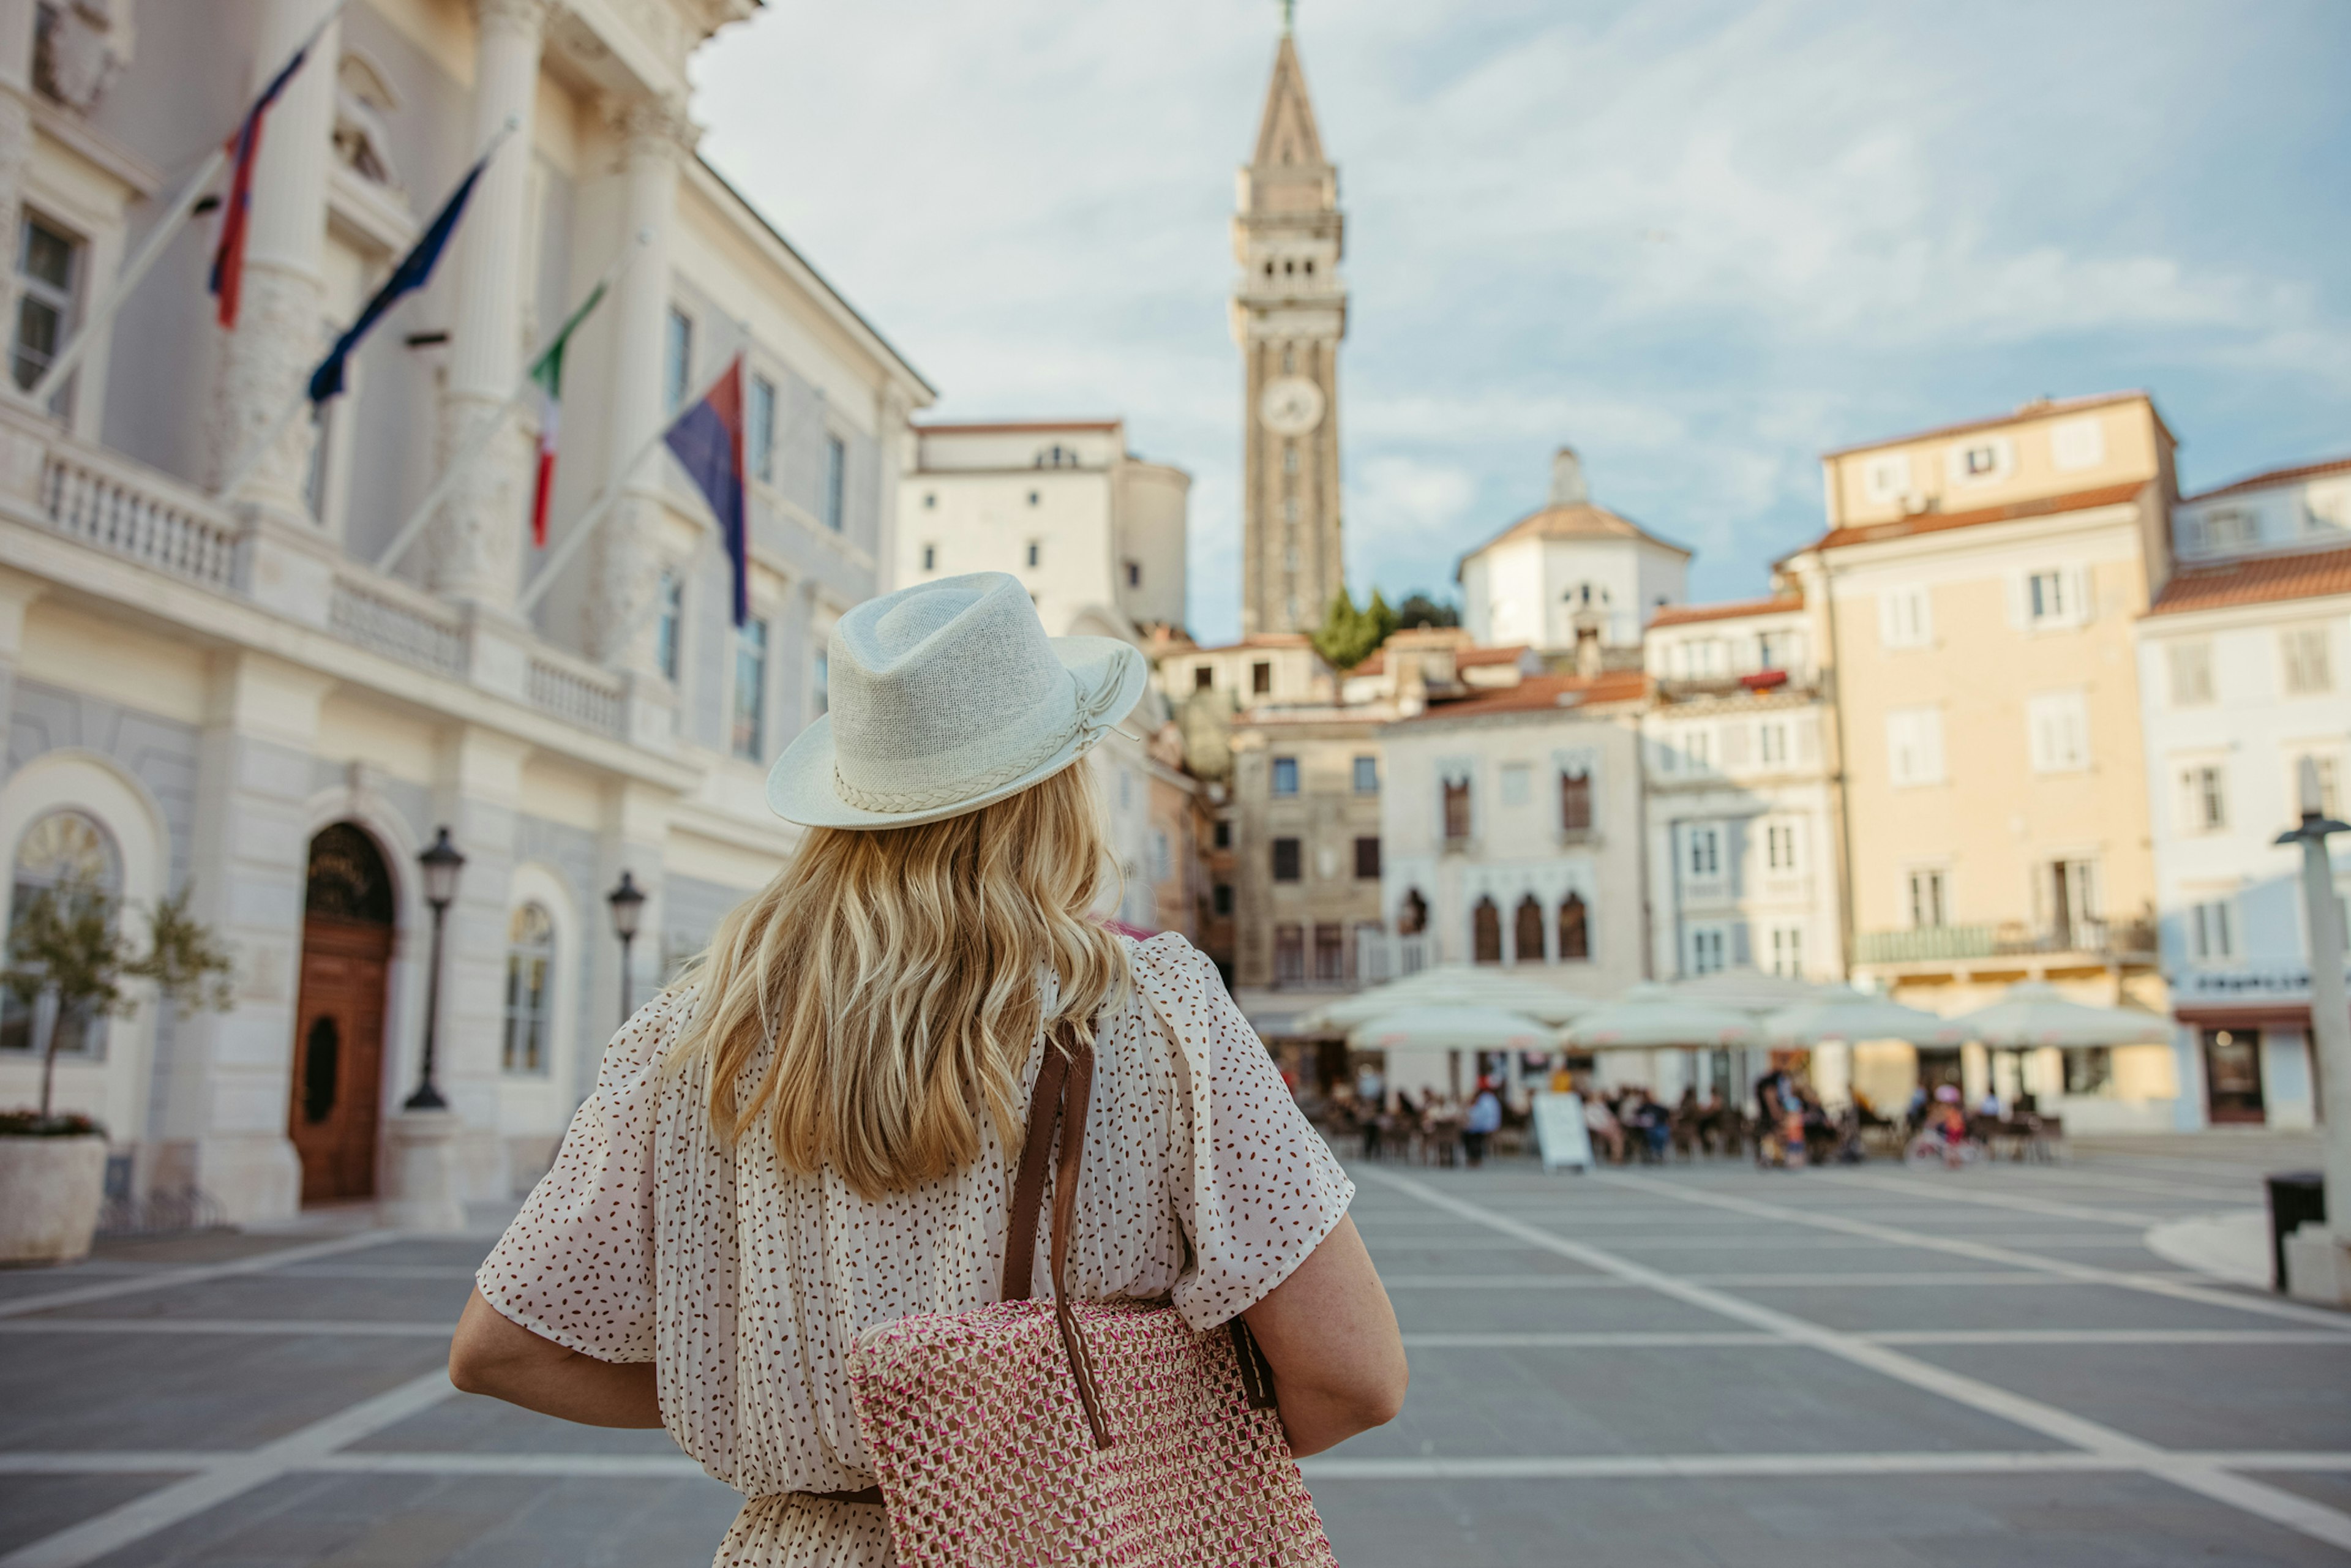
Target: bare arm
[(494, 1356), (1331, 1339)]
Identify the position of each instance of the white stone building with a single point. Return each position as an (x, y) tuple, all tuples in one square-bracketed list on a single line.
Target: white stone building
[(1568, 574), (231, 694), (1096, 533), (1511, 827), (1742, 824), (2244, 667)]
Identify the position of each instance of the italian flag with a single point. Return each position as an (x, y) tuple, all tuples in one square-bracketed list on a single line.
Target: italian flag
[(548, 373)]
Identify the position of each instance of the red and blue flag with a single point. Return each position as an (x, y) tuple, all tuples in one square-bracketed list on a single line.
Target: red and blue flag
[(707, 440), (227, 281)]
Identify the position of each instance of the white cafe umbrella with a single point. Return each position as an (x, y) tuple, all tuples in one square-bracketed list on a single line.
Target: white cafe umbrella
[(1746, 989), (1452, 1029), (1454, 986), (2034, 1014), (1847, 1015), (1650, 1015)]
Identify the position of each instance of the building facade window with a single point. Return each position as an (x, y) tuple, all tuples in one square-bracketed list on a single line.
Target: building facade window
[(1457, 810), (1706, 948), (1285, 775), (820, 683), (1329, 954), (530, 959), (2209, 936), (1221, 900), (1134, 574), (48, 273), (1904, 618), (677, 358), (1788, 951), (2330, 789), (1780, 846), (2204, 798), (1367, 774), (1527, 931), (61, 849), (759, 434), (1289, 956), (1705, 853), (836, 484), (2057, 732), (1772, 744), (1261, 679), (1203, 677), (750, 729), (1367, 859), (1221, 836), (930, 558), (1574, 928), (2054, 598), (1914, 747), (2309, 672), (1929, 903), (1288, 860), (1574, 801), (669, 624), (2191, 673), (1486, 932), (1411, 915)]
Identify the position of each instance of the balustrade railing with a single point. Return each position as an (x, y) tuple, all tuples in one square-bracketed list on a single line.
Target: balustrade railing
[(139, 519), (400, 624), (578, 692)]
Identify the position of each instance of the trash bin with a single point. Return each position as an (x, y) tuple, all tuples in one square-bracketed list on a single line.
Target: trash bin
[(2295, 1197)]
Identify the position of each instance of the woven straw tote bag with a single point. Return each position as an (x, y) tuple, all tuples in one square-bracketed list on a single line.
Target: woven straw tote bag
[(1078, 1432)]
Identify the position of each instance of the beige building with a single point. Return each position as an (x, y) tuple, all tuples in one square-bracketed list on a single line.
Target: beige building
[(243, 695), (1974, 598), (1096, 533), (1306, 784), (1288, 312)]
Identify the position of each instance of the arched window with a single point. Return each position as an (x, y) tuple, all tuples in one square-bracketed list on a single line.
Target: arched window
[(1575, 800), (62, 849), (1527, 934), (530, 962), (1486, 932), (1411, 915), (1574, 930)]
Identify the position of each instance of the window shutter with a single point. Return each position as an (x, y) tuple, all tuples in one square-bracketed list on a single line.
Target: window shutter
[(1741, 952)]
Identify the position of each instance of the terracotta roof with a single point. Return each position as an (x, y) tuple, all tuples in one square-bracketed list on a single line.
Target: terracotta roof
[(1463, 659), (1581, 521), (2275, 476), (2035, 410), (1015, 426), (1935, 522), (1539, 694), (1682, 614), (2256, 579)]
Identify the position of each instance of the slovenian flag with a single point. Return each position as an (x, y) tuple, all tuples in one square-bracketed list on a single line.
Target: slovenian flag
[(548, 373), (227, 281), (708, 441), (415, 269)]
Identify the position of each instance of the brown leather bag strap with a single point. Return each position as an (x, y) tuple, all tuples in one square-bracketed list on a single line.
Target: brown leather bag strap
[(1065, 1213), (1028, 1183)]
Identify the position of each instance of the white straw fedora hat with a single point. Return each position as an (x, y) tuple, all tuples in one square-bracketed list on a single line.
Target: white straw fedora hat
[(947, 697)]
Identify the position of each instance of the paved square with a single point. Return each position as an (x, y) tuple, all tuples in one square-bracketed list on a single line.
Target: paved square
[(1702, 1365)]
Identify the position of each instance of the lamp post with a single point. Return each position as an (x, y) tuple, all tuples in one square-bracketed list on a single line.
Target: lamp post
[(441, 862), (628, 902), (2329, 1255)]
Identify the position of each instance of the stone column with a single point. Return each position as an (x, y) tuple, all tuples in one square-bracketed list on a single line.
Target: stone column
[(280, 326), (656, 135), (474, 550), (16, 138)]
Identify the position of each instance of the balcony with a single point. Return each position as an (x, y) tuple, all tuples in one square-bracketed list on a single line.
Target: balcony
[(2106, 941), (102, 500)]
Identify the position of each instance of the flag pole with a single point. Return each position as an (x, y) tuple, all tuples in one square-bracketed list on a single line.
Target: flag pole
[(128, 278), (589, 520), (490, 428), (254, 456)]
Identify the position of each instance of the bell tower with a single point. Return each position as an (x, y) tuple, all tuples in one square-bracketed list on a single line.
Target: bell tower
[(1288, 312)]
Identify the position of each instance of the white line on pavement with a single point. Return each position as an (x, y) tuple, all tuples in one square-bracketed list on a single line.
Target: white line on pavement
[(1578, 1467), (258, 1263), (2257, 1497), (226, 1478), (1785, 1281), (279, 1328), (1953, 1192), (1631, 1340), (1635, 1339), (2082, 1273)]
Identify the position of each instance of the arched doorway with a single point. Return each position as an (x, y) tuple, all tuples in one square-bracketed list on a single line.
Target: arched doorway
[(338, 1077), (1485, 930), (1526, 931)]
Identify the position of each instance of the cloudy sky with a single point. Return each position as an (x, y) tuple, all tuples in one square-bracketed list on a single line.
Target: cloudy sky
[(1700, 240)]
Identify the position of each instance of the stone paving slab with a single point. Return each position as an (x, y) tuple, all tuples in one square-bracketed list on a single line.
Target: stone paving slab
[(379, 1300), (2038, 1305), (1677, 1400), (128, 1391), (448, 1521), (1941, 1522), (32, 1507), (2213, 1396), (1577, 1311)]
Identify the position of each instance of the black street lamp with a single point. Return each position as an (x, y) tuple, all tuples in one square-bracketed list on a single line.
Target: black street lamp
[(441, 862), (628, 902)]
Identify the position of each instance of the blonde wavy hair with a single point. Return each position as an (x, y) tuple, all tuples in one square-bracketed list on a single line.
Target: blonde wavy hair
[(895, 971)]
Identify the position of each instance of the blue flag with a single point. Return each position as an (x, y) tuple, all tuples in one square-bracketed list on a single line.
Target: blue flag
[(708, 441), (414, 270)]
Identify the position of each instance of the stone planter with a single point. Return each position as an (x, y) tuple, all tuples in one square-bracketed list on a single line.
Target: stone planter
[(50, 1193)]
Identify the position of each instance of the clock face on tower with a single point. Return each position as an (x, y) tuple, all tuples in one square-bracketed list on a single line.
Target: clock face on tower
[(1290, 405)]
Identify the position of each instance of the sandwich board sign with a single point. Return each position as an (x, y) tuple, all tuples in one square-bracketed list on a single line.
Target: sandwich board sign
[(1559, 1132)]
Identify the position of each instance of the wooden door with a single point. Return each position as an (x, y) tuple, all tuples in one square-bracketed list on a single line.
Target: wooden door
[(338, 1073)]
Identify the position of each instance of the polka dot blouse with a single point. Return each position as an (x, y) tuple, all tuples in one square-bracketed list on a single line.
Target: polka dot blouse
[(745, 1284)]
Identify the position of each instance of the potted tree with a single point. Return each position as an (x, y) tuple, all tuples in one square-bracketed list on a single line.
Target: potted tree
[(68, 953)]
